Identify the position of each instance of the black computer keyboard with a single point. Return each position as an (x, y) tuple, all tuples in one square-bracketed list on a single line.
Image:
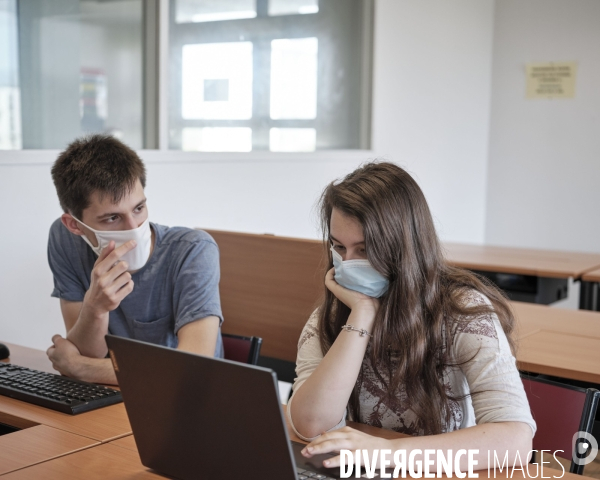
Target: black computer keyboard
[(54, 391)]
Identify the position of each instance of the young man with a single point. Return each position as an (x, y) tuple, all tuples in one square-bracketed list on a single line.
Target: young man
[(115, 272)]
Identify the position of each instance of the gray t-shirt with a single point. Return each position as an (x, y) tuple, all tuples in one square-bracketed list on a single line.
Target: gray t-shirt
[(178, 285)]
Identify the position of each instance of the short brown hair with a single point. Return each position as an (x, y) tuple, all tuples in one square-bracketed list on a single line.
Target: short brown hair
[(95, 163)]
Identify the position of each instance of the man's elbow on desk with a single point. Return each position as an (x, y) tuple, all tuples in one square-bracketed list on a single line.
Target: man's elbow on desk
[(67, 360)]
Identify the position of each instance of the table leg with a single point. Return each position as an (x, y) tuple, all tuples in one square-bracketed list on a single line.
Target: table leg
[(588, 296)]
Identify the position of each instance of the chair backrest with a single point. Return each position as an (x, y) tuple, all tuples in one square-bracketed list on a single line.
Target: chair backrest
[(241, 349), (269, 287), (560, 411)]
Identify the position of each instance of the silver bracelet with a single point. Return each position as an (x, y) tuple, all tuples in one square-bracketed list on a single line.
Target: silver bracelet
[(362, 332)]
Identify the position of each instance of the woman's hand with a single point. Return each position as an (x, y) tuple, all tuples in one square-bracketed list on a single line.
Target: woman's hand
[(353, 300), (346, 438)]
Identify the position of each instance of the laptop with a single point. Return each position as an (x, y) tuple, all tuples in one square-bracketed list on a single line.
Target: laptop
[(196, 417)]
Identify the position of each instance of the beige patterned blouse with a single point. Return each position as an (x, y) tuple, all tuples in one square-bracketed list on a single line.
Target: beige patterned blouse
[(492, 373)]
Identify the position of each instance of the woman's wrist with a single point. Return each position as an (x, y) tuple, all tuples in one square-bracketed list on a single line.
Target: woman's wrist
[(362, 318), (361, 331)]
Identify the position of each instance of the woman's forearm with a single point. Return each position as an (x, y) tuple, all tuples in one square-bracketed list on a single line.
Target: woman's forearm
[(503, 443), (320, 402), (493, 440)]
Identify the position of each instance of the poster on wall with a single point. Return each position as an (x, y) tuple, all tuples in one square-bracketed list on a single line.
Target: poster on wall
[(93, 100), (551, 80)]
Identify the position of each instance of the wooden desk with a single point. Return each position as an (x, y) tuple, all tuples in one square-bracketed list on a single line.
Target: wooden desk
[(109, 461), (547, 270), (590, 290), (42, 449), (48, 434), (525, 261), (559, 342), (106, 461), (119, 460), (36, 445), (51, 453), (592, 276), (102, 425)]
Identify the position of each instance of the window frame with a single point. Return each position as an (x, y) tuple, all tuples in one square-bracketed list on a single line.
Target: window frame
[(261, 30), (158, 90)]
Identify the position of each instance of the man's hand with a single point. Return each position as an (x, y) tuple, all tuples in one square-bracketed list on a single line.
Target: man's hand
[(65, 357), (110, 281)]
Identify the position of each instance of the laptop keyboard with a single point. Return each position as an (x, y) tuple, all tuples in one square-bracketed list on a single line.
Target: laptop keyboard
[(54, 391), (307, 474)]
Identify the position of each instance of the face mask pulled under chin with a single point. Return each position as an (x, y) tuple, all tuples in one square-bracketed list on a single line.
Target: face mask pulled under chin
[(135, 258), (359, 275)]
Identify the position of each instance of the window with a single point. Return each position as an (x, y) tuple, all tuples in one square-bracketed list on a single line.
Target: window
[(294, 78), (222, 76), (69, 68), (10, 98), (279, 75), (212, 89)]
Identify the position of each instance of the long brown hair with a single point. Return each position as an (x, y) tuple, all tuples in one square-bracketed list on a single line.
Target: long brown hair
[(425, 295)]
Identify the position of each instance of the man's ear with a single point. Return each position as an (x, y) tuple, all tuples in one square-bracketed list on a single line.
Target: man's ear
[(71, 224)]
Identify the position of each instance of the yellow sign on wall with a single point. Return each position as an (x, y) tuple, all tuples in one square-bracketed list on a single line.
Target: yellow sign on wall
[(551, 80)]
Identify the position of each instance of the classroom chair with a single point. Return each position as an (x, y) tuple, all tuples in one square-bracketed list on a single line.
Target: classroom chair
[(560, 411), (241, 349)]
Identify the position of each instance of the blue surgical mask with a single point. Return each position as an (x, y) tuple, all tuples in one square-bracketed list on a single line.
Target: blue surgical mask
[(359, 275)]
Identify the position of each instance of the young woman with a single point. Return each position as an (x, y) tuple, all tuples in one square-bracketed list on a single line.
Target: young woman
[(402, 340)]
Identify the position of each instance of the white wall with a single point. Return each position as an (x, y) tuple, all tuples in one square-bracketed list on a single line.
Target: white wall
[(28, 315), (544, 167), (431, 103)]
